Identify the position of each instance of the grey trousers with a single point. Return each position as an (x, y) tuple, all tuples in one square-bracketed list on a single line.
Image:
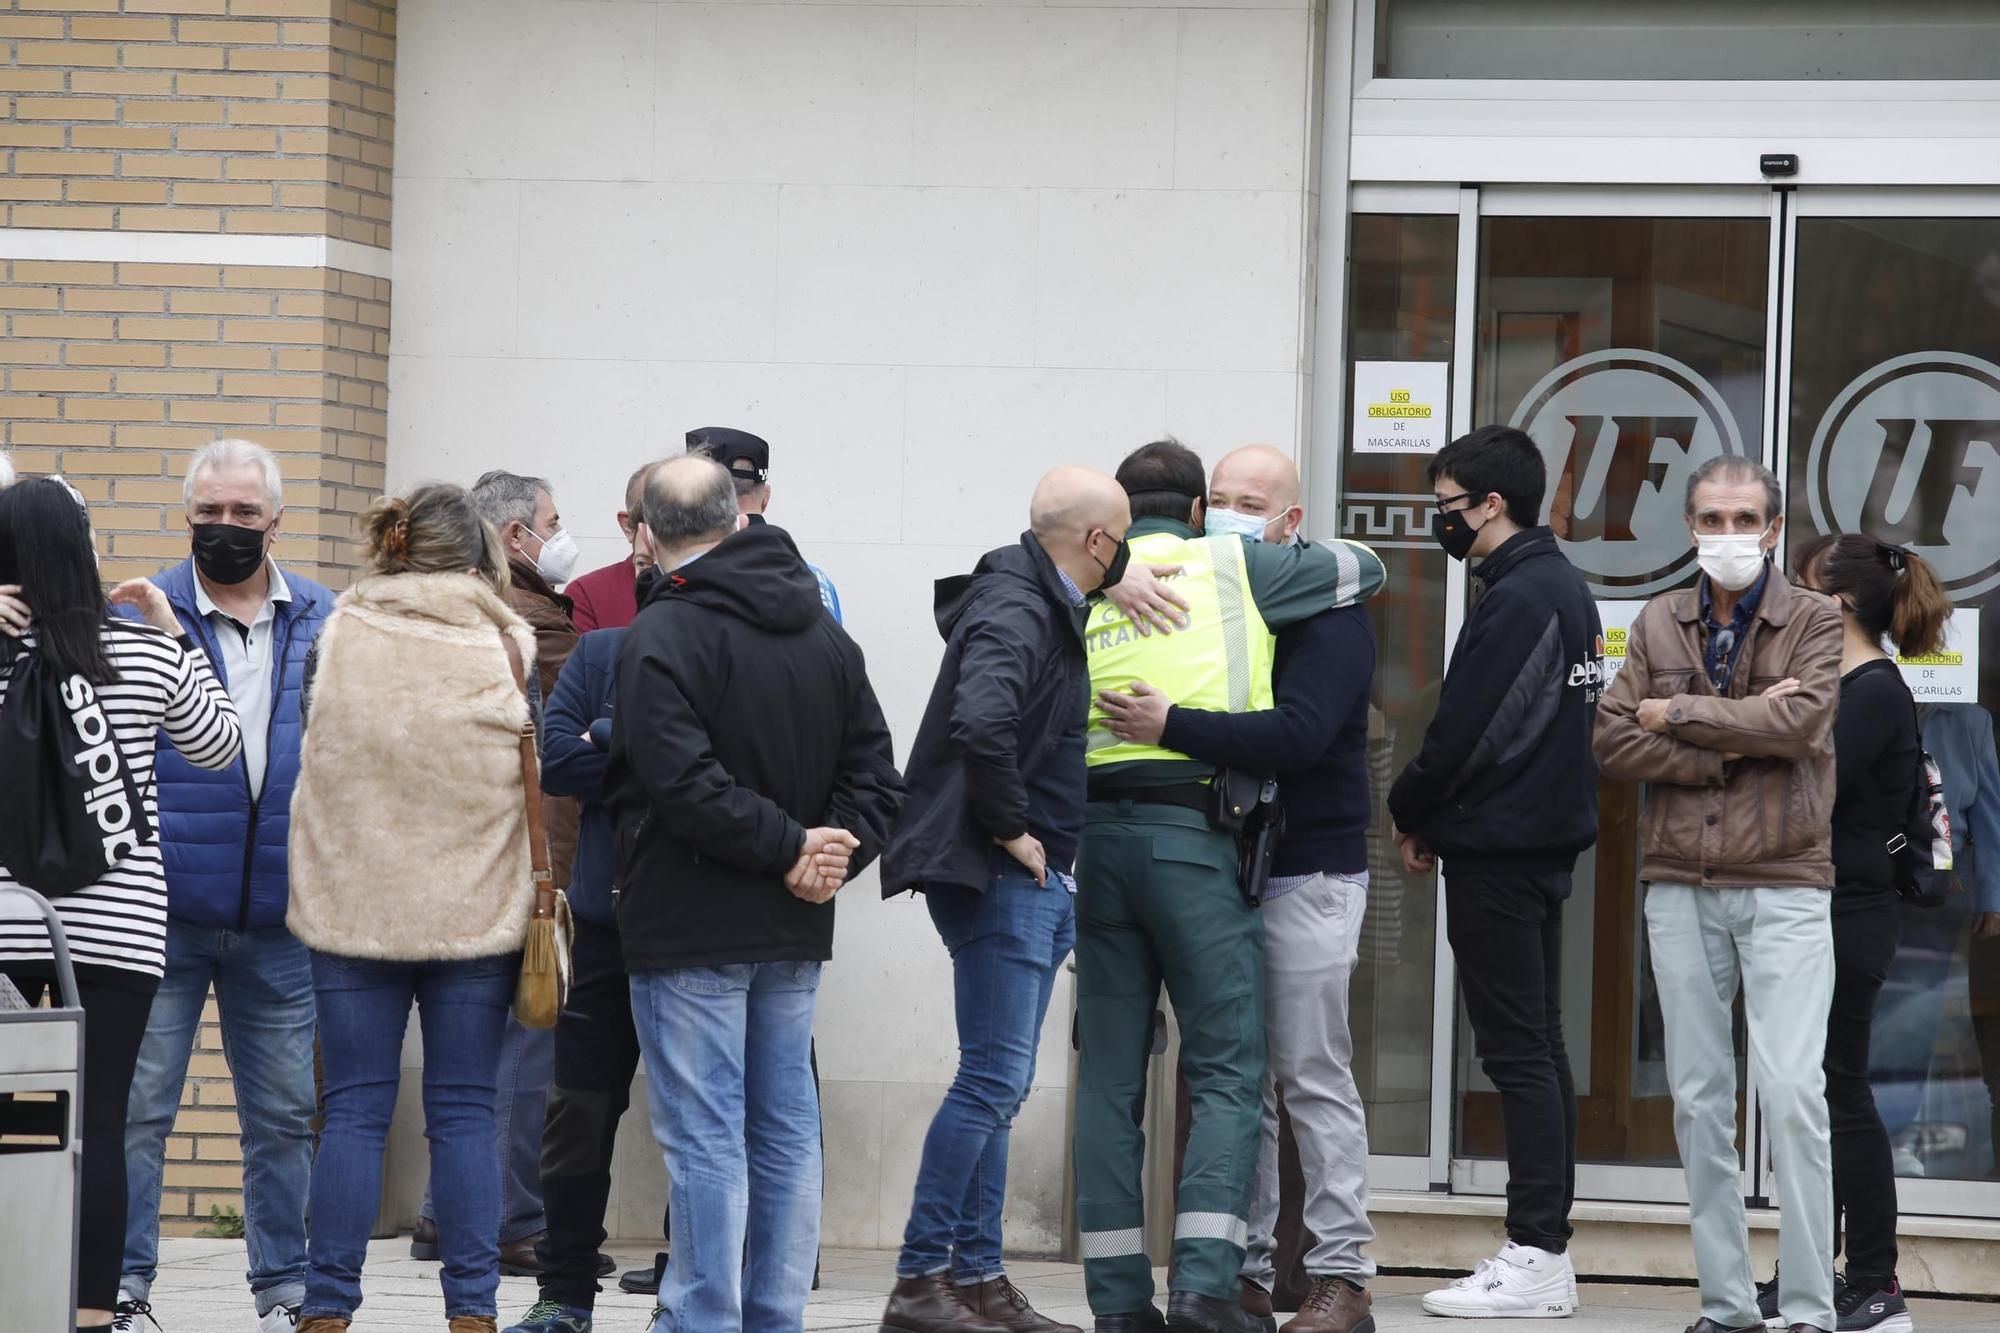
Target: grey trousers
[(1778, 944), (1311, 937)]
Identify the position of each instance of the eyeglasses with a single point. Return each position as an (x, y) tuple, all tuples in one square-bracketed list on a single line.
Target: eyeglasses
[(1444, 502)]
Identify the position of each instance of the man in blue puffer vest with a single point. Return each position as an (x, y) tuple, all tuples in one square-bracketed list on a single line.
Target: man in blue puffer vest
[(223, 836)]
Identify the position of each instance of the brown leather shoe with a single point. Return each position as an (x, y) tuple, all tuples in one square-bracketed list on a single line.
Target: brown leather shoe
[(320, 1323), (933, 1305), (518, 1258), (1001, 1302), (1257, 1301), (1334, 1305), (474, 1323)]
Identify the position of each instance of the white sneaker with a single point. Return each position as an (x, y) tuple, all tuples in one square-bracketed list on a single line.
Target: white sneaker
[(280, 1319), (1520, 1283), (131, 1316)]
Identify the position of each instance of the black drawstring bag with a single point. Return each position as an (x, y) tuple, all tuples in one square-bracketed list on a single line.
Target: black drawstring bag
[(73, 808)]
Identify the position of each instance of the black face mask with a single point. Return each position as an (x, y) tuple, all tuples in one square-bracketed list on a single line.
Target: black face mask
[(1451, 529), (1114, 571), (226, 554), (649, 579)]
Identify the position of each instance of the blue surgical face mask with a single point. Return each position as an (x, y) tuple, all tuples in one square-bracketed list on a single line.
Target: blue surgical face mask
[(1230, 523)]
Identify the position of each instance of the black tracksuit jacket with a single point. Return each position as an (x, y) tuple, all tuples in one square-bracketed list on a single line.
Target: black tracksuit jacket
[(1506, 780)]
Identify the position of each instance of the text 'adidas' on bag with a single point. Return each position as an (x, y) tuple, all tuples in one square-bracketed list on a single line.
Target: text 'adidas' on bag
[(73, 808)]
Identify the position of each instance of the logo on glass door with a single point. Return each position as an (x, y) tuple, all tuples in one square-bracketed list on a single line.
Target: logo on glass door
[(1909, 453), (1620, 431)]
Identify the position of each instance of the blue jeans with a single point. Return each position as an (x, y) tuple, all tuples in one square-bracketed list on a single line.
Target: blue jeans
[(264, 989), (729, 1068), (364, 1007), (520, 1113), (1006, 945)]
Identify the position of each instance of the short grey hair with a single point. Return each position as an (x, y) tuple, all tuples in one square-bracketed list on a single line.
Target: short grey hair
[(689, 498), (230, 454), (1737, 468), (6, 470), (507, 497)]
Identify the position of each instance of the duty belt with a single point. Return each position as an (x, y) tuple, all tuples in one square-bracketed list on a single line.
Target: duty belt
[(1188, 795)]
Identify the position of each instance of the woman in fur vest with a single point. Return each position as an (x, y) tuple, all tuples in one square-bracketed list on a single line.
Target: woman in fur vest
[(411, 881)]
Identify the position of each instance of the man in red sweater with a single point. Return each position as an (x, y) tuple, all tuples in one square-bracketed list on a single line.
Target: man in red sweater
[(605, 598)]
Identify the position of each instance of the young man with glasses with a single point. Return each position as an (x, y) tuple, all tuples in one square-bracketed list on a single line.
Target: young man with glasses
[(1504, 790)]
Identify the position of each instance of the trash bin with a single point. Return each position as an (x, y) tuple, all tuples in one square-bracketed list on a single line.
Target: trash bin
[(41, 1145)]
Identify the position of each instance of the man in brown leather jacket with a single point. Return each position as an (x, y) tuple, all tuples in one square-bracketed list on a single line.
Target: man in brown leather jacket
[(1725, 709)]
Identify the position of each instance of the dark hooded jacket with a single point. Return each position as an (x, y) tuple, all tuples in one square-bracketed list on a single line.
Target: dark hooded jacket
[(744, 717), (1000, 751)]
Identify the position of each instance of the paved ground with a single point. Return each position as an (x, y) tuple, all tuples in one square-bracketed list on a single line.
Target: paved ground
[(200, 1290)]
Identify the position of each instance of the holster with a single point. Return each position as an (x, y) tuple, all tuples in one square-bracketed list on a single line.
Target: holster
[(1246, 805)]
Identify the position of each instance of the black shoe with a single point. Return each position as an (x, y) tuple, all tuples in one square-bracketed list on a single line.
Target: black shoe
[(1148, 1320), (424, 1241), (1767, 1302), (645, 1281), (1192, 1312), (1867, 1307), (1707, 1325)]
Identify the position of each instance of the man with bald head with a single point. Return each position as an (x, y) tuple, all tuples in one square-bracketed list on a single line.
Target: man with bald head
[(750, 774), (1315, 740), (989, 837)]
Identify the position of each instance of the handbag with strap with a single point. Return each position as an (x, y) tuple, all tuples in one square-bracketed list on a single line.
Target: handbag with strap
[(546, 964)]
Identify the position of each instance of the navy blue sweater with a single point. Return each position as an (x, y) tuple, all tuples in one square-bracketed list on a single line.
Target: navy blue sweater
[(1315, 740)]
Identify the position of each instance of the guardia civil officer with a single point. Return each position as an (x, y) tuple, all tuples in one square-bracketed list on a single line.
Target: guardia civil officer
[(1158, 899)]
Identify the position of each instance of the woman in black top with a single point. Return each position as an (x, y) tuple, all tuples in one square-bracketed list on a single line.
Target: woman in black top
[(1884, 592)]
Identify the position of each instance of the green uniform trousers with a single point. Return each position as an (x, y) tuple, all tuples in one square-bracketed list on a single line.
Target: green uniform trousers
[(1157, 901)]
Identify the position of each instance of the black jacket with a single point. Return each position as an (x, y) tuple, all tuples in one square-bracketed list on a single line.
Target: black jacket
[(744, 717), (1506, 779), (1000, 751), (1875, 749)]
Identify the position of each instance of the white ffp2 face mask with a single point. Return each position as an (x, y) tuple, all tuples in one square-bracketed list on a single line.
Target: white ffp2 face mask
[(558, 558), (1731, 560), (1234, 523)]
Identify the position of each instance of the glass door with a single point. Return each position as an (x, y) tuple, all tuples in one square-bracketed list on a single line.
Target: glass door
[(1630, 334), (1893, 429)]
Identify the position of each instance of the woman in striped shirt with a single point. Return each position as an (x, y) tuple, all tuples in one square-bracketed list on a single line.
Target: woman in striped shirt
[(149, 680)]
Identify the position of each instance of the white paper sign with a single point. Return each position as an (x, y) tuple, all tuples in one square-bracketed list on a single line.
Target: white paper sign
[(1951, 675), (1400, 407), (1617, 618)]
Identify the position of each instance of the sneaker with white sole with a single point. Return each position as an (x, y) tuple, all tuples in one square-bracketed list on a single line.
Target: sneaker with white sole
[(131, 1316), (279, 1319), (1863, 1307), (1521, 1282)]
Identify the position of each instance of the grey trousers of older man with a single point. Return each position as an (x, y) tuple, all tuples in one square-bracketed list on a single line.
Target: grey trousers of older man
[(1312, 934), (1777, 944)]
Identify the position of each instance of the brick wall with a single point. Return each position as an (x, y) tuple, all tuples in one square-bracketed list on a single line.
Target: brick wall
[(232, 116), (215, 121), (115, 372), (204, 1167)]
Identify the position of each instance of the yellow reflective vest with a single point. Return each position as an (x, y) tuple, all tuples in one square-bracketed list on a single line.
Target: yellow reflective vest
[(1221, 662)]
